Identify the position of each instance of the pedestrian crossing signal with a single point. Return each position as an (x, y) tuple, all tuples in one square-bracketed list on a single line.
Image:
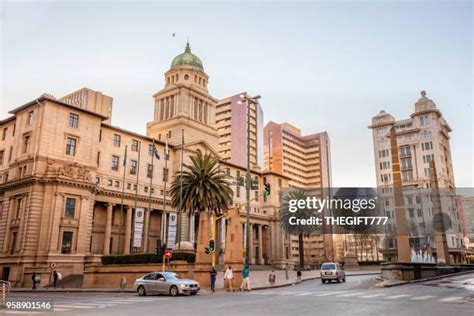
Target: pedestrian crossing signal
[(267, 189)]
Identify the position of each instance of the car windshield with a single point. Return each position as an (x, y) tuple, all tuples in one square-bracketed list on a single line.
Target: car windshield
[(330, 266), (173, 276)]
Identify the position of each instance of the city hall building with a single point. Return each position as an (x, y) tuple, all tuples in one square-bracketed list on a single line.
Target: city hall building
[(67, 197)]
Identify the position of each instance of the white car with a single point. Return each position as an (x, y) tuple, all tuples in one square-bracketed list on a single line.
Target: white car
[(332, 271), (165, 283)]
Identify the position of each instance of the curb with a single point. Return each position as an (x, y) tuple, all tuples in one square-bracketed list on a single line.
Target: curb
[(438, 277)]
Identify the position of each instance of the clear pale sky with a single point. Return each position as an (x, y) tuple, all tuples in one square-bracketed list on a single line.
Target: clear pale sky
[(318, 65)]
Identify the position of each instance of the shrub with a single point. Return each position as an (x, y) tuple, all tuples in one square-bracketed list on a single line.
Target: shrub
[(145, 258)]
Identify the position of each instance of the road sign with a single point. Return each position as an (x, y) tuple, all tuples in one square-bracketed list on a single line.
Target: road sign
[(168, 253), (52, 265)]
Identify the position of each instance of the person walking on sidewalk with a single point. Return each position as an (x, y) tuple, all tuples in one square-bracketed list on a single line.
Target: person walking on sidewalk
[(213, 279), (34, 279), (229, 277), (55, 278), (245, 278), (298, 274), (271, 277)]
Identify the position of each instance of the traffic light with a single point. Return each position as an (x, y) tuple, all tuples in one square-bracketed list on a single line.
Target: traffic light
[(267, 189), (212, 245)]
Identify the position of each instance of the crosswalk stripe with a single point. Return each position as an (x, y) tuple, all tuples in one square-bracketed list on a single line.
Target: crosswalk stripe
[(285, 293), (304, 293), (420, 298), (393, 297), (372, 295), (451, 299), (350, 294), (326, 294), (72, 306)]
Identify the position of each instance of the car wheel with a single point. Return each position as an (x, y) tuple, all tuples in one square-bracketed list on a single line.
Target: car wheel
[(338, 280), (174, 290), (141, 290), (344, 280), (323, 281)]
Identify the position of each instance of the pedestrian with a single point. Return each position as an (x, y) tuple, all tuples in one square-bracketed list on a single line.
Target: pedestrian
[(245, 278), (272, 277), (55, 278), (298, 274), (287, 268), (34, 279), (229, 277), (213, 279)]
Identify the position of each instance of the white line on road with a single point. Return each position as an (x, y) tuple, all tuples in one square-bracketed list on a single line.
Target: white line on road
[(326, 293), (20, 312), (72, 306), (304, 293), (451, 299), (421, 298), (372, 295), (394, 297), (350, 294)]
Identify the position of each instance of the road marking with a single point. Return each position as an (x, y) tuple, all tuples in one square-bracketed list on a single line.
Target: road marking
[(326, 293), (304, 293), (350, 294), (20, 312), (421, 298), (397, 296), (451, 299), (372, 295), (285, 293), (72, 306)]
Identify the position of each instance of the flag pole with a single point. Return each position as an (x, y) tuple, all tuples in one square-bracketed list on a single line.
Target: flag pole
[(138, 174), (180, 190), (165, 180), (121, 202), (149, 197)]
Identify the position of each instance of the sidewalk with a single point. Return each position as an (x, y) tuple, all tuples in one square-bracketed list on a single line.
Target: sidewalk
[(258, 281)]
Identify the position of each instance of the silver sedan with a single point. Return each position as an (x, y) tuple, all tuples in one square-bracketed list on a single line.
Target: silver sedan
[(165, 283)]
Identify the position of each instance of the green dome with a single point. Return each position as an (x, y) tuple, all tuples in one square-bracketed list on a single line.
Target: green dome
[(187, 58)]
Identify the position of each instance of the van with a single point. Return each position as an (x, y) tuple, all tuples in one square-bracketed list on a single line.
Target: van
[(332, 271)]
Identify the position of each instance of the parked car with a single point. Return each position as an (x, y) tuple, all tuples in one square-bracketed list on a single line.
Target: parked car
[(332, 271), (165, 283)]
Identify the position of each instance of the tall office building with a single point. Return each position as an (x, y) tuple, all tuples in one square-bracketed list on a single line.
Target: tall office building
[(231, 121), (305, 160), (91, 100), (423, 137)]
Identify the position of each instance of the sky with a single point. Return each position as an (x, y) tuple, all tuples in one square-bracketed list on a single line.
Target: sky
[(321, 66)]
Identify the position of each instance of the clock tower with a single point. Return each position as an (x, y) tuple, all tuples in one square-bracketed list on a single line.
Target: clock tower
[(184, 104)]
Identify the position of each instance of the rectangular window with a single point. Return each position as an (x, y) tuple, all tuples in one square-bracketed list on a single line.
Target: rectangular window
[(98, 158), (71, 146), (73, 120), (405, 151), (97, 180), (129, 186), (238, 191), (2, 153), (26, 142), (100, 135), (116, 140), (66, 246), (149, 171), (134, 145), (10, 154), (117, 183), (133, 167), (31, 117), (70, 208), (4, 133), (146, 189), (110, 182), (115, 163)]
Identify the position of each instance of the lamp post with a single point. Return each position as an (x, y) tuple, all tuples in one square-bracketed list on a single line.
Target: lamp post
[(248, 100)]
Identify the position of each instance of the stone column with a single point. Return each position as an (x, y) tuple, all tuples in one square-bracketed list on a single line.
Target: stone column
[(108, 228), (146, 226), (260, 245), (251, 250), (128, 230)]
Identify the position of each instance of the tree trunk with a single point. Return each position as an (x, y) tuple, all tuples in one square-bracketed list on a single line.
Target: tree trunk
[(301, 250)]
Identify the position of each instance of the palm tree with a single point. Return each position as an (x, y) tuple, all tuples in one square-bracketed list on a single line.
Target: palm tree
[(205, 188), (301, 213)]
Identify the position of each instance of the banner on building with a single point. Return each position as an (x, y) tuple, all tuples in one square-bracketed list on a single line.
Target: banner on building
[(172, 223), (138, 227)]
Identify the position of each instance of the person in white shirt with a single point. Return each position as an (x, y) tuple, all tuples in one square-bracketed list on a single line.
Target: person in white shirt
[(229, 277)]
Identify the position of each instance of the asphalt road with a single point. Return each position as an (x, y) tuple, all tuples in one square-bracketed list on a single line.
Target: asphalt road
[(358, 296)]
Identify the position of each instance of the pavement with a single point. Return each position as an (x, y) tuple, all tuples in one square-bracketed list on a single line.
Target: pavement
[(358, 296)]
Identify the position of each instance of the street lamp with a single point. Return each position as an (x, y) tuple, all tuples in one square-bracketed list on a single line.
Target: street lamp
[(249, 100)]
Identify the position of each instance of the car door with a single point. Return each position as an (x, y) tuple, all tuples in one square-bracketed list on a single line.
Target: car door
[(149, 281), (161, 285)]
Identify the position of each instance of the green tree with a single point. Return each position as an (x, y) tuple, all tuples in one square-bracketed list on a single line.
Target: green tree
[(301, 213), (205, 187)]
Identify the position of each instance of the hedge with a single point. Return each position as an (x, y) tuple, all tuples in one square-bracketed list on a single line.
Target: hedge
[(144, 258)]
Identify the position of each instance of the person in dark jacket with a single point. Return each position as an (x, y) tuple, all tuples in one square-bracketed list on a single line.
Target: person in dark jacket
[(213, 279), (55, 278), (34, 279)]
